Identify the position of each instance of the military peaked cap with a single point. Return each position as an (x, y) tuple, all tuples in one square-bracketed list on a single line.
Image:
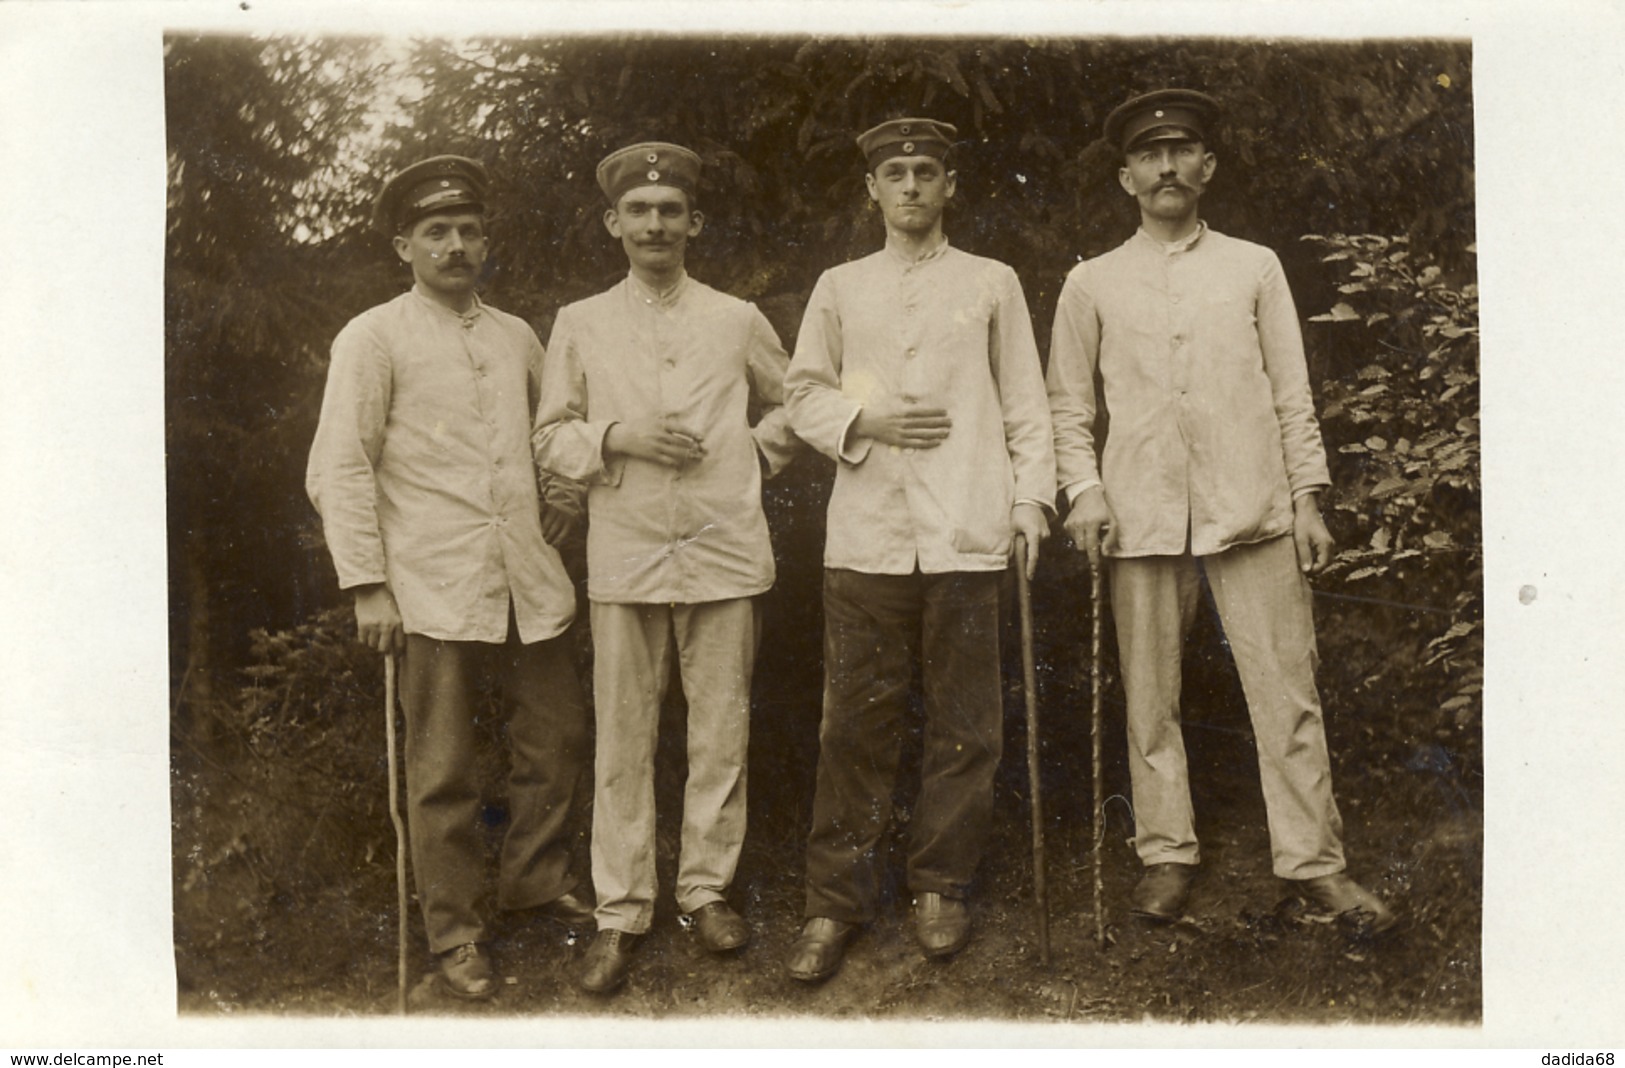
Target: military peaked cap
[(1167, 114), (440, 183), (906, 137), (648, 163)]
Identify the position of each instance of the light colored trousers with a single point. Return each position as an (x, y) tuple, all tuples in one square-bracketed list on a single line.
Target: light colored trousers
[(1264, 606), (716, 651)]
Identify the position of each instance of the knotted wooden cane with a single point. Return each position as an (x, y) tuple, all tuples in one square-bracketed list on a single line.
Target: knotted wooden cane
[(1029, 679), (400, 831)]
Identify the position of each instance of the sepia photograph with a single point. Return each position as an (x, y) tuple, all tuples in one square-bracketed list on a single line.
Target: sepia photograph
[(972, 531), (633, 815)]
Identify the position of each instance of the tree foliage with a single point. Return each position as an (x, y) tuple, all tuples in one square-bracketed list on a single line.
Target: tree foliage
[(255, 132), (1405, 433)]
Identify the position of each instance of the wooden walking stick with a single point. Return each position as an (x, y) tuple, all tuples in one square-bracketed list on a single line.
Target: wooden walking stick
[(1029, 685), (400, 830), (1094, 742)]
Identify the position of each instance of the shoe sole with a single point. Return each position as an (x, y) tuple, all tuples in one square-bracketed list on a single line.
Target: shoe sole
[(445, 985), (943, 952), (820, 976), (1157, 917), (1360, 917), (606, 988), (1365, 921), (1167, 916), (814, 977)]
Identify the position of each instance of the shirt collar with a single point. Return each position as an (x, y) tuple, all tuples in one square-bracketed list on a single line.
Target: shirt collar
[(467, 318), (938, 252), (664, 298), (1184, 244)]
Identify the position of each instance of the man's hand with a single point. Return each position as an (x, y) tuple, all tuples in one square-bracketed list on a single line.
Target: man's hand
[(1030, 522), (1309, 534), (903, 422), (378, 619), (655, 438), (557, 525), (1090, 522)]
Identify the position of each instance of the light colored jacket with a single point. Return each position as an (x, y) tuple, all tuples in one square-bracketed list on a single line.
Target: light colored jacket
[(950, 330), (1212, 426), (656, 534), (421, 471)]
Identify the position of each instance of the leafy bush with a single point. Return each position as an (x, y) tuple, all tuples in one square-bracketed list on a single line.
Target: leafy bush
[(1405, 434), (281, 809)]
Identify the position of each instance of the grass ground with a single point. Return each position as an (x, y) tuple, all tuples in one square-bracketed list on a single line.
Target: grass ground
[(264, 927)]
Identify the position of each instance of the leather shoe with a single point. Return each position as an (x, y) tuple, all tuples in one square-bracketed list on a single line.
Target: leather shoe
[(608, 958), (567, 908), (1345, 897), (941, 924), (465, 972), (1163, 891), (817, 954), (721, 929)]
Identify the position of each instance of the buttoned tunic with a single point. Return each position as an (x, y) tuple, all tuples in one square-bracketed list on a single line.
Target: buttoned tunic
[(421, 470), (949, 330), (658, 534), (1212, 437), (1213, 431)]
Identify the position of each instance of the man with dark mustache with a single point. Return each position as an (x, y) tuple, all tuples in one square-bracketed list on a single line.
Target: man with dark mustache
[(644, 398), (1213, 467), (422, 473)]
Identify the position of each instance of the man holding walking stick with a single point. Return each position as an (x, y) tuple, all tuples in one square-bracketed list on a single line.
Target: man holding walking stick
[(1213, 468), (916, 371), (421, 469)]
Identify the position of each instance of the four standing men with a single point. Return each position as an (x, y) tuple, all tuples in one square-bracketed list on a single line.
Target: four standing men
[(917, 372), (422, 473), (1213, 464), (644, 398)]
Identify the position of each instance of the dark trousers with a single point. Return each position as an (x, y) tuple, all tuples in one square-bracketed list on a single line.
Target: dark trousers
[(547, 735), (875, 627)]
